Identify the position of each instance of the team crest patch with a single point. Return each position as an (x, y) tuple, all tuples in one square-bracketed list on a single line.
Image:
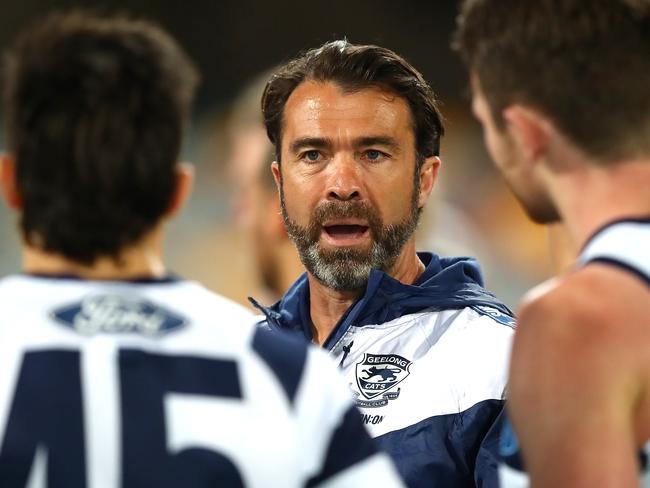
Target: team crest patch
[(377, 376), (117, 314)]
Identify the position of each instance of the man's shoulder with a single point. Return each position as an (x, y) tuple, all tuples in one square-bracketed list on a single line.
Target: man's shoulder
[(469, 319), (597, 301), (579, 329), (578, 360)]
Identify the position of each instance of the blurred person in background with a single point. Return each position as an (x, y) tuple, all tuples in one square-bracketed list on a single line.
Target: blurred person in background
[(561, 88), (424, 347), (113, 372), (256, 207)]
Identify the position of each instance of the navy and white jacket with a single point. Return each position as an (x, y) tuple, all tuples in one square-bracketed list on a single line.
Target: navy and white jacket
[(427, 366)]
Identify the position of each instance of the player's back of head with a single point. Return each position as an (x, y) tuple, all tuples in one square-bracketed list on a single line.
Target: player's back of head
[(94, 113), (586, 65)]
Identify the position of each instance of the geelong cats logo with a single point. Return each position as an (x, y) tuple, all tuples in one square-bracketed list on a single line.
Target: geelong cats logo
[(377, 374)]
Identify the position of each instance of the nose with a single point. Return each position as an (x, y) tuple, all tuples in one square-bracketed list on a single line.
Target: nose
[(345, 182)]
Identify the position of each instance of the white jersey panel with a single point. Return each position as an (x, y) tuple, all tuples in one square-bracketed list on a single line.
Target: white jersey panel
[(100, 384), (625, 242), (423, 365), (512, 478), (118, 330)]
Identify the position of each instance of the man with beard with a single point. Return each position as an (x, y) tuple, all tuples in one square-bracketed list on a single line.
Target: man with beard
[(424, 347), (112, 372), (561, 88)]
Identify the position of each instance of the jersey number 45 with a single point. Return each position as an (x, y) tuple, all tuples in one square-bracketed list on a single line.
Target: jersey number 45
[(116, 429)]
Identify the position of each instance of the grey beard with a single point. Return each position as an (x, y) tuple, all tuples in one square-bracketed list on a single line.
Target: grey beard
[(348, 269)]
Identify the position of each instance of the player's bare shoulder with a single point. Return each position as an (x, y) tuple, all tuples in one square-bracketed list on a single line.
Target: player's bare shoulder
[(596, 306), (589, 328)]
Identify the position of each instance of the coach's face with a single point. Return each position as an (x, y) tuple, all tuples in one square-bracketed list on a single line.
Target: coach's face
[(351, 196), (510, 151)]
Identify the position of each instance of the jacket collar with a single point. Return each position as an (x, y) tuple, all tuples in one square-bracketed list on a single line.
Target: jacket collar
[(446, 283)]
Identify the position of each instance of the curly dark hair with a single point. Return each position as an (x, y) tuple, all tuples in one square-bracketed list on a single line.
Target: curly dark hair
[(94, 109)]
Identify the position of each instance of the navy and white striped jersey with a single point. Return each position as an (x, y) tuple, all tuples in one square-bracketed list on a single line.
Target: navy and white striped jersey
[(427, 366), (625, 244), (164, 384)]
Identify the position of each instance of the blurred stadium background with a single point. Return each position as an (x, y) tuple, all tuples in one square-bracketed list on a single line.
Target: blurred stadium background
[(233, 42)]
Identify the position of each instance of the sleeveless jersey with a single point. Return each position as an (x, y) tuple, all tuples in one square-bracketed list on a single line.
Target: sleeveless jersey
[(165, 384), (625, 244)]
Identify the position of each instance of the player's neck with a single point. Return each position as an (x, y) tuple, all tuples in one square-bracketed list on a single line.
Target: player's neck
[(142, 260), (594, 196), (327, 306)]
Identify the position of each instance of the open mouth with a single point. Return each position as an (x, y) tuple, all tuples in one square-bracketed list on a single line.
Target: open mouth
[(345, 233)]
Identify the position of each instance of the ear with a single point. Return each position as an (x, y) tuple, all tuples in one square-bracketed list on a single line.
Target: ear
[(184, 184), (8, 183), (428, 176), (529, 130), (277, 174), (275, 216)]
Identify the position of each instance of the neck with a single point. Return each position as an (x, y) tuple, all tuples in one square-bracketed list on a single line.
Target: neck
[(592, 196), (290, 267), (327, 306), (142, 260)]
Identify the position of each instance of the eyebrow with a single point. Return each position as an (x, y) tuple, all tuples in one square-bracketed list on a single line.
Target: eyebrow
[(385, 141), (309, 142), (323, 143)]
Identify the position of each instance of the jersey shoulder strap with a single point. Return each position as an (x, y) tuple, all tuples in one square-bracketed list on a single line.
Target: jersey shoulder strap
[(625, 244)]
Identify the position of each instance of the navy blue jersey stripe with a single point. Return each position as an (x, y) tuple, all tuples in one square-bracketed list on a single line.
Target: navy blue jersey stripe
[(46, 411), (284, 354), (620, 264), (189, 375), (145, 380), (350, 444)]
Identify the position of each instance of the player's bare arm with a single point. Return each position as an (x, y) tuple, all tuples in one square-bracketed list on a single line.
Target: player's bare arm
[(563, 333)]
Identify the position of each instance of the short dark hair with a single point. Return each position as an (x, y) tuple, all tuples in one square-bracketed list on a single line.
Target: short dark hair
[(94, 109), (586, 65), (353, 68)]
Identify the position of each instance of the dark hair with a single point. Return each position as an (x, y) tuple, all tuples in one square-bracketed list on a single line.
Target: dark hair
[(586, 65), (354, 68), (94, 110)]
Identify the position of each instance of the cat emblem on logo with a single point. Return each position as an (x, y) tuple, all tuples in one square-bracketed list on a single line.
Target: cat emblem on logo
[(378, 373)]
